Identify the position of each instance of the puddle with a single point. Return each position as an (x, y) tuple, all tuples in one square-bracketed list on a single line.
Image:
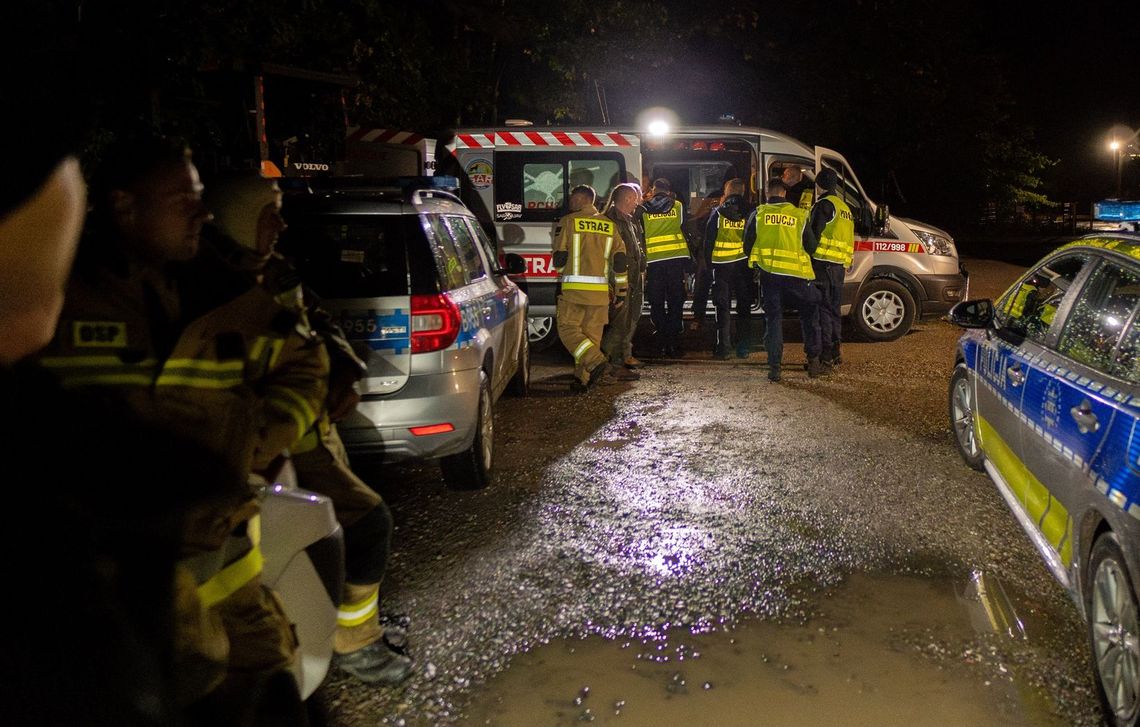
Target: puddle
[(882, 651)]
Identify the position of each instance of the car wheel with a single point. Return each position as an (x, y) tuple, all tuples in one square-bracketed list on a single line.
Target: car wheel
[(471, 468), (884, 310), (542, 332), (1114, 632), (962, 409), (520, 382)]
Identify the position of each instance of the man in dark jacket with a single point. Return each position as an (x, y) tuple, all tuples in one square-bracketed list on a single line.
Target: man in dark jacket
[(617, 343), (724, 256)]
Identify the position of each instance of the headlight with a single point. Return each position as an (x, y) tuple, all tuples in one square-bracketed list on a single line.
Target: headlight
[(935, 244)]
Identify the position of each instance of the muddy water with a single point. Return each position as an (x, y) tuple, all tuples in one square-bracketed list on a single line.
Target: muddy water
[(880, 651)]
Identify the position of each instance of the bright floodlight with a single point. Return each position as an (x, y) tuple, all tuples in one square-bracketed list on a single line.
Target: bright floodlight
[(658, 127), (1114, 145)]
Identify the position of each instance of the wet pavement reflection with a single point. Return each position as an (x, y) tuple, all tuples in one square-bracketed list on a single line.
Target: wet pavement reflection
[(702, 505)]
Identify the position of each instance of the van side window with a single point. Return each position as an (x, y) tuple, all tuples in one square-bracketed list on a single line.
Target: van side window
[(447, 260), (465, 246), (543, 186), (1099, 315), (533, 186)]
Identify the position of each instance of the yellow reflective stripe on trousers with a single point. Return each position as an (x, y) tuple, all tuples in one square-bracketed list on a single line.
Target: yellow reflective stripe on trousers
[(354, 614), (202, 373), (101, 370), (235, 575), (286, 400), (583, 347)]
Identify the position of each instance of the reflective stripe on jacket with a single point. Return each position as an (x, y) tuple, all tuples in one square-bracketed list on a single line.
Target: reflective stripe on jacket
[(837, 241), (664, 239), (592, 244), (729, 244), (779, 247)]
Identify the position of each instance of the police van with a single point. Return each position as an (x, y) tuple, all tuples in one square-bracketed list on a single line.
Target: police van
[(903, 269)]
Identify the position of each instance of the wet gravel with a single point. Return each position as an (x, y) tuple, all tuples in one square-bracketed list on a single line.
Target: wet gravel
[(699, 496)]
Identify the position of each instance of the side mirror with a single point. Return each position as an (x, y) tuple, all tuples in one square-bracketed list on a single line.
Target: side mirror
[(516, 265), (882, 220), (973, 313)]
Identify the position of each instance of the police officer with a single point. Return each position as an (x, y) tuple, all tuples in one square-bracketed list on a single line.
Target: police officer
[(590, 256), (724, 256), (834, 226), (779, 243), (667, 254), (801, 192)]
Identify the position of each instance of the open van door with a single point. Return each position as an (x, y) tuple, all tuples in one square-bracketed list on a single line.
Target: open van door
[(849, 189)]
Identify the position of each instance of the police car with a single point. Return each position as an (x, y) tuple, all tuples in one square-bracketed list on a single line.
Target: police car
[(417, 286), (1045, 398)]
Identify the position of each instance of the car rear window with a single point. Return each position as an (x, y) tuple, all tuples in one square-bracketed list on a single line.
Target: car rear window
[(361, 256)]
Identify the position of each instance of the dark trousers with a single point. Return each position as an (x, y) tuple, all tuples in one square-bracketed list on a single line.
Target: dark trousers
[(732, 280), (777, 291), (701, 288), (829, 278), (665, 291)]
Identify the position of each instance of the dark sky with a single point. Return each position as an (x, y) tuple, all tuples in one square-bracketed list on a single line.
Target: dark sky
[(1075, 74)]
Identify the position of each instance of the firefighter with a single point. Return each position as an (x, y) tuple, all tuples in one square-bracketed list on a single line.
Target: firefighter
[(247, 223), (779, 243), (667, 253), (244, 378), (833, 225), (724, 255), (590, 256), (800, 191), (617, 343)]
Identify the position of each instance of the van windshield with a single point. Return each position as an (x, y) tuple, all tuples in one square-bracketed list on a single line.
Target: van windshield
[(361, 256)]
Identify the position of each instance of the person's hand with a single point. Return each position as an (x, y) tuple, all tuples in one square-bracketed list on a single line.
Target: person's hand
[(619, 303)]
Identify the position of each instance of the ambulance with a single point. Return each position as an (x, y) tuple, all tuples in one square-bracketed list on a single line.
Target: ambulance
[(522, 175)]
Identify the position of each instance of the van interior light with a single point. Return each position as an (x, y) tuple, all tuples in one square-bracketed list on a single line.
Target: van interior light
[(658, 127)]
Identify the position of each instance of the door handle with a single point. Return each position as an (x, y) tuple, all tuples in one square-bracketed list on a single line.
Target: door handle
[(1016, 375), (1084, 417)]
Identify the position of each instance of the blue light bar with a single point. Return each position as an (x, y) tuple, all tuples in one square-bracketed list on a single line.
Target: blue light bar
[(1116, 211)]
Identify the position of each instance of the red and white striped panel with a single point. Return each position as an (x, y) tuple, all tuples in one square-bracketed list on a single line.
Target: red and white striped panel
[(383, 136), (545, 138)]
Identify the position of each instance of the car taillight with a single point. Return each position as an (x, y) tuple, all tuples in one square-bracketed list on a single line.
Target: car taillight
[(435, 323)]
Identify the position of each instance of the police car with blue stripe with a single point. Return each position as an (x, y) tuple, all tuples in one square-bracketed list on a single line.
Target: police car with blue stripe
[(1045, 398), (417, 286)]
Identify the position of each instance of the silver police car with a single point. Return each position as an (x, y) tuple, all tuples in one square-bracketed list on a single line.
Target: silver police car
[(417, 286), (1045, 398)]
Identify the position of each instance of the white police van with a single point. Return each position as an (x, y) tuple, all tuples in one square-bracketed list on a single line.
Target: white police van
[(903, 269)]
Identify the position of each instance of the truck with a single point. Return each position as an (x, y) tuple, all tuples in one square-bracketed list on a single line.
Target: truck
[(903, 270)]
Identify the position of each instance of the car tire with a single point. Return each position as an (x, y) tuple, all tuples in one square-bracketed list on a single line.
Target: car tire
[(471, 468), (542, 331), (962, 409), (884, 310), (1110, 603), (520, 383)]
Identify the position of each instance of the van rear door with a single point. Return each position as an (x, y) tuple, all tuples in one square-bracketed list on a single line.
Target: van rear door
[(365, 268)]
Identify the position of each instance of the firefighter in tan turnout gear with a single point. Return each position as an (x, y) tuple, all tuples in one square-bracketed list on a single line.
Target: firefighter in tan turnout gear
[(247, 223), (220, 361), (590, 256)]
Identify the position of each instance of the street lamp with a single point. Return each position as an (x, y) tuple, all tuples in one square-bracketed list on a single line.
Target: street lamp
[(1114, 145)]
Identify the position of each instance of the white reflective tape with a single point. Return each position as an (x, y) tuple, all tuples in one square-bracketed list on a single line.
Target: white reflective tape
[(584, 279)]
